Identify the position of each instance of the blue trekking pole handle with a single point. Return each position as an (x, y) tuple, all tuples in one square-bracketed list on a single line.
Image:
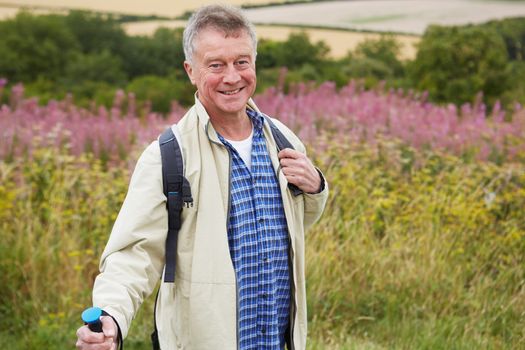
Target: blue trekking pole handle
[(91, 318)]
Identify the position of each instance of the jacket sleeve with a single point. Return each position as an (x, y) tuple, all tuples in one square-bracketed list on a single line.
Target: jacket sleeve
[(133, 259), (313, 203)]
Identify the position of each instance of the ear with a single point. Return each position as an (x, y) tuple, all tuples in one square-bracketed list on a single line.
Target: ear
[(189, 70)]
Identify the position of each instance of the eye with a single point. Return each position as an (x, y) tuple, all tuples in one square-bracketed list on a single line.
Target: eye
[(243, 63), (215, 66)]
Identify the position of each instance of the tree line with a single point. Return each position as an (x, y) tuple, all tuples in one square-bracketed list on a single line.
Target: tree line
[(90, 55)]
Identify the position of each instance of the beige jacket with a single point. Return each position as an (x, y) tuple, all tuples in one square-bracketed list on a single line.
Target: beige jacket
[(198, 311)]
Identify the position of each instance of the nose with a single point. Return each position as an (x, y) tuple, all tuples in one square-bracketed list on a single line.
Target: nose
[(231, 75)]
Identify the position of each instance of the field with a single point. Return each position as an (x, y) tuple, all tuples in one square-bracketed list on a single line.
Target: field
[(387, 16), (166, 8), (421, 245)]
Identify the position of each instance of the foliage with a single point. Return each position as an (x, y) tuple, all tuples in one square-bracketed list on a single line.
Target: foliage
[(413, 257), (385, 50), (455, 63), (162, 92), (158, 55), (296, 51), (56, 211), (512, 30), (90, 55), (102, 67), (96, 33), (516, 93), (34, 46), (78, 52)]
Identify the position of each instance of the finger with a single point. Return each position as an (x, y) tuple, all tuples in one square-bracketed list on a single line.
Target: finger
[(305, 177), (108, 344), (286, 162), (297, 166), (294, 170), (295, 159), (109, 328), (289, 153), (85, 335)]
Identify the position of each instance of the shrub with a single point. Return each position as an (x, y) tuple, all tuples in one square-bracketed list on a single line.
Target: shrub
[(35, 46), (455, 63)]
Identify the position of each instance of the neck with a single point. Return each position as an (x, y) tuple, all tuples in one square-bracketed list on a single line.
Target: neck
[(235, 128)]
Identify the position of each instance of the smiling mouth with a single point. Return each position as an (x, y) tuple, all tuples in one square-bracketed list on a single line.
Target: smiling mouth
[(231, 92)]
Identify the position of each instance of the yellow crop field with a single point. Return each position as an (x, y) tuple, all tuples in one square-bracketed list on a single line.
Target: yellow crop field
[(153, 7)]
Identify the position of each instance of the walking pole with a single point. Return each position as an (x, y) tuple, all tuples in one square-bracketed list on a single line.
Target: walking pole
[(91, 318)]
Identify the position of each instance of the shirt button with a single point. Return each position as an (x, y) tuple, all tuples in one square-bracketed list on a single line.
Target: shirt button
[(263, 330), (266, 260)]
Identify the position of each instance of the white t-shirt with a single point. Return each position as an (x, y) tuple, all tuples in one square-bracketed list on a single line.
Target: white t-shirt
[(244, 148)]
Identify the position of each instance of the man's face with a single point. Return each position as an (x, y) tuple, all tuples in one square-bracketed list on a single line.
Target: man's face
[(223, 70)]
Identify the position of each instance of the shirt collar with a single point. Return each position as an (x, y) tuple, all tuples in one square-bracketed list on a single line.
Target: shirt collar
[(256, 118)]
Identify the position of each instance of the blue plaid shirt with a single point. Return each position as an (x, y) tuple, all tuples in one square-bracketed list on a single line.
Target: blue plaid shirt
[(259, 244)]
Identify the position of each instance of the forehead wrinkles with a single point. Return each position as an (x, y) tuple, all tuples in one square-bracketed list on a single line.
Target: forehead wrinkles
[(228, 33)]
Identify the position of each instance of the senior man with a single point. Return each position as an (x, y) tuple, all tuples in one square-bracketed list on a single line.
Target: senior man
[(240, 280)]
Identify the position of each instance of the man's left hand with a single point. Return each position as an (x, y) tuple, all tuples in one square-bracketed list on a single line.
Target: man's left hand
[(299, 170)]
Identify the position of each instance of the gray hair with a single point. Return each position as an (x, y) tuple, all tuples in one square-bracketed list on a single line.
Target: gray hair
[(225, 18)]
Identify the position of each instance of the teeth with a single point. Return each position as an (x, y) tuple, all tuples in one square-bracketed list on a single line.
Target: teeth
[(231, 92)]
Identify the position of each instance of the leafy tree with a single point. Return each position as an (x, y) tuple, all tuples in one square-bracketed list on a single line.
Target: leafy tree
[(35, 46), (512, 30), (158, 55), (101, 66), (296, 51), (267, 53), (89, 93), (516, 93), (364, 67), (96, 33), (455, 63), (162, 91), (385, 50)]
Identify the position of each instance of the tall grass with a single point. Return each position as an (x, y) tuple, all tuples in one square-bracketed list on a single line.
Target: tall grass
[(427, 257), (56, 212), (420, 247)]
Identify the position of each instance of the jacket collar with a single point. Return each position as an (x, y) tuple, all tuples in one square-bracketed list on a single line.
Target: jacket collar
[(204, 118)]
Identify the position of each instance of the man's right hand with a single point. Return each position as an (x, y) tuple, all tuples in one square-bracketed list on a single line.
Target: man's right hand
[(107, 340)]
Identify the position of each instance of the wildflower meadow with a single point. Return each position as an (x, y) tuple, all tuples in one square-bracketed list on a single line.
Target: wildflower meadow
[(421, 246)]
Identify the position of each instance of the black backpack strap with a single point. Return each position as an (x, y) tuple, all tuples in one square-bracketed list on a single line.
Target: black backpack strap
[(178, 192), (282, 143)]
